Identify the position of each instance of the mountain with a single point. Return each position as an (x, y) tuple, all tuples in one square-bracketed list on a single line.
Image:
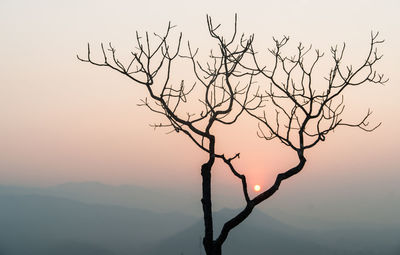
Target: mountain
[(159, 200), (260, 234), (34, 224), (88, 218)]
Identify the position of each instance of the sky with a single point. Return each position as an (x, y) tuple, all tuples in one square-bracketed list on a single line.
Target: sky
[(66, 121)]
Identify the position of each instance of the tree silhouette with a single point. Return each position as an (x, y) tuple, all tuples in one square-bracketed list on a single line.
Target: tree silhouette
[(232, 83)]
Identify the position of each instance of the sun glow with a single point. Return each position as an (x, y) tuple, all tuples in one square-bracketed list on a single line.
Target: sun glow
[(257, 187)]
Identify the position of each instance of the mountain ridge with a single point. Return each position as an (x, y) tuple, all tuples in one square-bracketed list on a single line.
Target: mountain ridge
[(46, 222)]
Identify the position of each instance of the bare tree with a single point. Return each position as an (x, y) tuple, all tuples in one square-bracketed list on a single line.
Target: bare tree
[(226, 83)]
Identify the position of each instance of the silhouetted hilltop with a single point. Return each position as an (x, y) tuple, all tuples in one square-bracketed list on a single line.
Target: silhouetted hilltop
[(48, 224), (260, 234), (48, 221), (159, 200)]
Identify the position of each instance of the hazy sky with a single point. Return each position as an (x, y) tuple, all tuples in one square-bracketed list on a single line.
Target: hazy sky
[(62, 120)]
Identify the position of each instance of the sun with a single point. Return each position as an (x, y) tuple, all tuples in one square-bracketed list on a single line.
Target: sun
[(257, 187)]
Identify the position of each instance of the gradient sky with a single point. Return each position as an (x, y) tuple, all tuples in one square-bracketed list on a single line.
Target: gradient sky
[(62, 120)]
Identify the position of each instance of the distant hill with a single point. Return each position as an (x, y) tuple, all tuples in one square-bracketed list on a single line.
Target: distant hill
[(260, 234), (125, 195), (49, 225), (87, 218)]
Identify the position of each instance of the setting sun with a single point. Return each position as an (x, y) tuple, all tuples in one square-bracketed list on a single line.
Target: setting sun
[(257, 187)]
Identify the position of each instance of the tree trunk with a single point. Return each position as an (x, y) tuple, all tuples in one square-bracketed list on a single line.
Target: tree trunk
[(207, 208), (214, 249), (210, 246)]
